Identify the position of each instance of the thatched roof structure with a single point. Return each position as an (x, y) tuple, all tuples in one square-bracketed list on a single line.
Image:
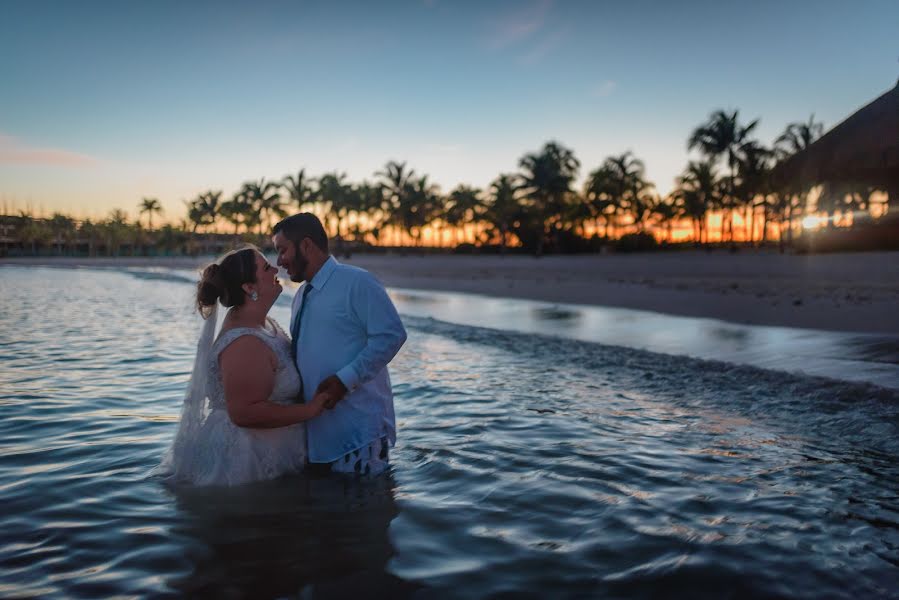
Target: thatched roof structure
[(864, 148)]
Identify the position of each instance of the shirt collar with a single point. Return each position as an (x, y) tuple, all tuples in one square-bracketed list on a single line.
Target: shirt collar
[(324, 274)]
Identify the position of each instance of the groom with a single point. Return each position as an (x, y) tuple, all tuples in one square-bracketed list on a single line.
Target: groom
[(344, 331)]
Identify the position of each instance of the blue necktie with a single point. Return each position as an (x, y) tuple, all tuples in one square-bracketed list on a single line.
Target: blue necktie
[(295, 335)]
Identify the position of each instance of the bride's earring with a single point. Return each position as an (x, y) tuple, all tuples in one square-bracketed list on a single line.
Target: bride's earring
[(254, 296)]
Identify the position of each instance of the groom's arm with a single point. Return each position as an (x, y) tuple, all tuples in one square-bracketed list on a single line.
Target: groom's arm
[(385, 334)]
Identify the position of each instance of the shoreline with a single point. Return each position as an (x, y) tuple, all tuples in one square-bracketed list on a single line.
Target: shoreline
[(853, 292)]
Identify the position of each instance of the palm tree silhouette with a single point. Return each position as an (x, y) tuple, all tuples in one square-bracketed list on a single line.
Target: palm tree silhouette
[(503, 207), (798, 136), (421, 205), (546, 180), (753, 170), (723, 136), (699, 190), (666, 213), (369, 206), (395, 182), (620, 184), (299, 189), (149, 206), (629, 177), (203, 210), (463, 207), (239, 210), (266, 198), (333, 194), (601, 194)]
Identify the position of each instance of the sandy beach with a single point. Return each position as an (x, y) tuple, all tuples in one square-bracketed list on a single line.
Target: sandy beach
[(836, 292)]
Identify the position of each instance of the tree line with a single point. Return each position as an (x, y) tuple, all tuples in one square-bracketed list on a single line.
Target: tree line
[(537, 208)]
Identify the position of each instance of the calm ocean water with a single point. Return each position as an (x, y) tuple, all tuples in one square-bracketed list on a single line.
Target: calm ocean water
[(527, 465)]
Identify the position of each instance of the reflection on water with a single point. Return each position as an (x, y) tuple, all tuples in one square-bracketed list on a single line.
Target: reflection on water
[(526, 463), (554, 313), (738, 336), (324, 536), (853, 357), (417, 298)]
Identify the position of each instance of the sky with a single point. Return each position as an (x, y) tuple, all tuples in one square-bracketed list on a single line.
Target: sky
[(105, 103)]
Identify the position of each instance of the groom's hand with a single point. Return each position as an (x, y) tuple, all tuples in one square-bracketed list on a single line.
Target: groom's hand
[(334, 388)]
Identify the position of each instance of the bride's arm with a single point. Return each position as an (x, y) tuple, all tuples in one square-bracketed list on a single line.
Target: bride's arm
[(248, 374)]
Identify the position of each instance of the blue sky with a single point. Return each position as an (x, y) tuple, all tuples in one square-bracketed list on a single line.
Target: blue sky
[(102, 103)]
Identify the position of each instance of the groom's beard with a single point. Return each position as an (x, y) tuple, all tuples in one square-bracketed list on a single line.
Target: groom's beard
[(299, 263)]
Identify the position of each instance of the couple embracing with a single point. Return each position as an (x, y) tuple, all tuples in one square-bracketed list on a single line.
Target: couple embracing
[(260, 403)]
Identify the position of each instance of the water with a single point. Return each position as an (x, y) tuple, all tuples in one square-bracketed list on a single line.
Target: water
[(850, 356), (526, 464)]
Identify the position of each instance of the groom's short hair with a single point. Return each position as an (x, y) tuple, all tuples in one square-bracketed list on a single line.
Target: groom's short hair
[(303, 225)]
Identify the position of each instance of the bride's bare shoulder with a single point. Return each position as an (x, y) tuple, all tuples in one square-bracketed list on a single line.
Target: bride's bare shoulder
[(244, 351)]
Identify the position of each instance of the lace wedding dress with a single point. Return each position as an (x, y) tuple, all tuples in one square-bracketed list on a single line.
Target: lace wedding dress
[(211, 450)]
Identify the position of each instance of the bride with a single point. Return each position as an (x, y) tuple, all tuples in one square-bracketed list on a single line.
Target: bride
[(240, 421)]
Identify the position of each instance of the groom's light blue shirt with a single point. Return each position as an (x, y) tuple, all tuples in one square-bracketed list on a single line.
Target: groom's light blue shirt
[(349, 328)]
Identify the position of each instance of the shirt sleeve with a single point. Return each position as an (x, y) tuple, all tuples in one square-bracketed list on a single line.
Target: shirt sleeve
[(384, 331)]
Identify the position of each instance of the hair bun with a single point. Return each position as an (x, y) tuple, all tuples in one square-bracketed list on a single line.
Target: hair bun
[(223, 280), (209, 289)]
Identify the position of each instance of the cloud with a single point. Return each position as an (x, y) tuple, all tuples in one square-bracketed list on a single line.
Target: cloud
[(520, 26), (15, 152), (604, 89)]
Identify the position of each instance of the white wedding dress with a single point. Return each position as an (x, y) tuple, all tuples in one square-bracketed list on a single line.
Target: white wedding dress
[(211, 450)]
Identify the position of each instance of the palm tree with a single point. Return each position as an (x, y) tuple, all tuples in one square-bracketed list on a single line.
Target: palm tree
[(395, 177), (754, 172), (395, 182), (239, 210), (798, 136), (149, 206), (503, 207), (699, 190), (299, 189), (420, 206), (723, 135), (266, 198), (463, 208), (546, 182), (666, 213), (368, 205), (203, 210), (576, 215), (603, 197), (334, 194), (628, 177), (620, 183)]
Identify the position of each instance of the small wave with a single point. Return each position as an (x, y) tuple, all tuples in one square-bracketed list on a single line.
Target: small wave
[(161, 275), (841, 412)]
